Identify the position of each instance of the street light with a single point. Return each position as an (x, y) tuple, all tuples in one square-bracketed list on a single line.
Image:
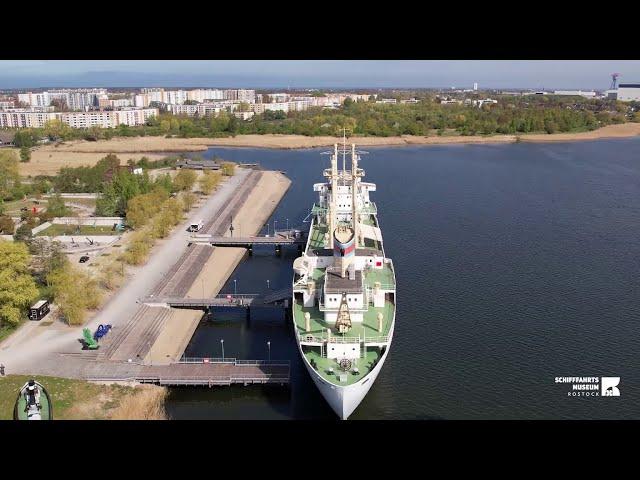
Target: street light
[(287, 224), (235, 289), (268, 287), (275, 222), (269, 345), (222, 343)]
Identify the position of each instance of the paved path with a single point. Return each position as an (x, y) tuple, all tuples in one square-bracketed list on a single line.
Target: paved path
[(37, 349)]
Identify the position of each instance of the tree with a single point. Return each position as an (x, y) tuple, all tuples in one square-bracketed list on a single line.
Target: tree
[(188, 200), (56, 206), (74, 292), (208, 181), (9, 175), (25, 154), (6, 225), (185, 179), (228, 169), (23, 233), (17, 286)]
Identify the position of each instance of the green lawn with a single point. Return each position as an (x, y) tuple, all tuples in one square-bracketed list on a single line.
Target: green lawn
[(56, 229), (13, 207)]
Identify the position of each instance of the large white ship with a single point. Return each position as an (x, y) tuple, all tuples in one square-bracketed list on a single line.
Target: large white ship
[(344, 289)]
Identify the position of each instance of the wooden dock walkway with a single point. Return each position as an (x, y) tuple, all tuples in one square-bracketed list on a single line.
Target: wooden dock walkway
[(203, 372)]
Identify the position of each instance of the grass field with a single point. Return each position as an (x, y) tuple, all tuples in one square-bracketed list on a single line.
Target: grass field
[(57, 229), (80, 400)]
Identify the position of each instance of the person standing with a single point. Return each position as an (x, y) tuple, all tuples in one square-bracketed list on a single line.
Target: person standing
[(1, 370)]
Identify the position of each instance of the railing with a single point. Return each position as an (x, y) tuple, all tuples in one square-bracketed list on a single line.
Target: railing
[(307, 338), (206, 360), (234, 361)]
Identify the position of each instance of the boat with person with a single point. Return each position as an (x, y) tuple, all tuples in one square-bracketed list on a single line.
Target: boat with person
[(33, 403)]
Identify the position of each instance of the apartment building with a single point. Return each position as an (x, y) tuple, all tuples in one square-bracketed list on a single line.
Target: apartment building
[(25, 118), (30, 118), (108, 118), (202, 109)]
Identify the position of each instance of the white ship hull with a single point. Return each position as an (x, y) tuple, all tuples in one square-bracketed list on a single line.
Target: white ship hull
[(344, 400)]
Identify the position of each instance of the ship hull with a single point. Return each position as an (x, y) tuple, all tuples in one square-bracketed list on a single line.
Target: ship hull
[(343, 400)]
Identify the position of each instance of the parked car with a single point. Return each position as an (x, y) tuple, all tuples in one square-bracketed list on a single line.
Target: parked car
[(84, 258)]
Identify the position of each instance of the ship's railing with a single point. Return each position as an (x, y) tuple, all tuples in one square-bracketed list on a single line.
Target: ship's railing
[(310, 338)]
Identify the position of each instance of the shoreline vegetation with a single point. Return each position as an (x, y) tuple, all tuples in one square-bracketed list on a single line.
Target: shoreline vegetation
[(48, 159)]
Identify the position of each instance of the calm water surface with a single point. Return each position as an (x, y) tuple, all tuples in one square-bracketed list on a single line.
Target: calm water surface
[(515, 264)]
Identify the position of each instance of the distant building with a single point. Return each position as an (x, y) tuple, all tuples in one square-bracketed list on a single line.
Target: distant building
[(6, 104), (198, 164), (387, 100), (580, 93), (629, 92), (37, 118)]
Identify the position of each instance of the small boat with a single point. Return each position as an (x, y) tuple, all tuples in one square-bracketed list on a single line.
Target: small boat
[(33, 403)]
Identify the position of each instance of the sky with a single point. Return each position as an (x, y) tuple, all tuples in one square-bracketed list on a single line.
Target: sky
[(536, 74)]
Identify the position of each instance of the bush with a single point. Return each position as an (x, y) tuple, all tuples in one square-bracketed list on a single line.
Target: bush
[(7, 227), (228, 169)]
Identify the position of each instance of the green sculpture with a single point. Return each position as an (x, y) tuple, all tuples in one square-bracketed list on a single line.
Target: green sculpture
[(88, 339)]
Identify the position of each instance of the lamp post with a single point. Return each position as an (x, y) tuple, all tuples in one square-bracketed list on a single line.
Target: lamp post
[(287, 224), (235, 287), (222, 344), (268, 287), (275, 222), (269, 346)]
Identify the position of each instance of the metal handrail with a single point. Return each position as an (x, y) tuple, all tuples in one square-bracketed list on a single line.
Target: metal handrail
[(340, 339)]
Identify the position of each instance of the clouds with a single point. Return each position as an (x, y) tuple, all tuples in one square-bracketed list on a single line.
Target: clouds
[(316, 73)]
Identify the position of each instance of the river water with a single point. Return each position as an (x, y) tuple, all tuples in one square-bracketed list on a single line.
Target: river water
[(515, 264)]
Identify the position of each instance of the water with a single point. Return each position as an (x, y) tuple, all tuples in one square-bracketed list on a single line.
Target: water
[(515, 264)]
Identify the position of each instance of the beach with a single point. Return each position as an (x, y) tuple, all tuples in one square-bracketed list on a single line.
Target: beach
[(48, 159)]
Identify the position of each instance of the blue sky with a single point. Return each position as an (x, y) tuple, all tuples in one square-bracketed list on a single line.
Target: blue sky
[(317, 73)]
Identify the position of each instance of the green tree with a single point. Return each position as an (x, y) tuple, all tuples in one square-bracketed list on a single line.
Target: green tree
[(56, 206), (7, 226), (23, 233), (25, 154), (17, 286), (9, 175), (185, 179), (208, 181)]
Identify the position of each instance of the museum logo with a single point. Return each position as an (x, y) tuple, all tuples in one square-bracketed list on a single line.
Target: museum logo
[(591, 386)]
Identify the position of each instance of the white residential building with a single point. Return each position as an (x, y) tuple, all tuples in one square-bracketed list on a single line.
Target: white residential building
[(30, 118), (25, 118)]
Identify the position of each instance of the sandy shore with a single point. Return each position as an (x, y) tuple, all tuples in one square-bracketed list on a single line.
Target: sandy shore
[(48, 159)]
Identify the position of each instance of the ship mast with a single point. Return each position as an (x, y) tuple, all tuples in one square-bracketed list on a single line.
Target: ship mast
[(334, 191), (355, 180)]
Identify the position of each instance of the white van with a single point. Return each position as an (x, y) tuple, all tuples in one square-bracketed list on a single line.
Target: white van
[(196, 226)]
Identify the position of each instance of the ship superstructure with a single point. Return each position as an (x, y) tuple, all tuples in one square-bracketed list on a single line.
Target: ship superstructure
[(344, 288)]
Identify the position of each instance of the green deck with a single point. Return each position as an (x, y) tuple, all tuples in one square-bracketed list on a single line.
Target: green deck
[(323, 364), (366, 329)]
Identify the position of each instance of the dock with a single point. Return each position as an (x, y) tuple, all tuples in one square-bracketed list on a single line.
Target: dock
[(200, 372), (149, 346)]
